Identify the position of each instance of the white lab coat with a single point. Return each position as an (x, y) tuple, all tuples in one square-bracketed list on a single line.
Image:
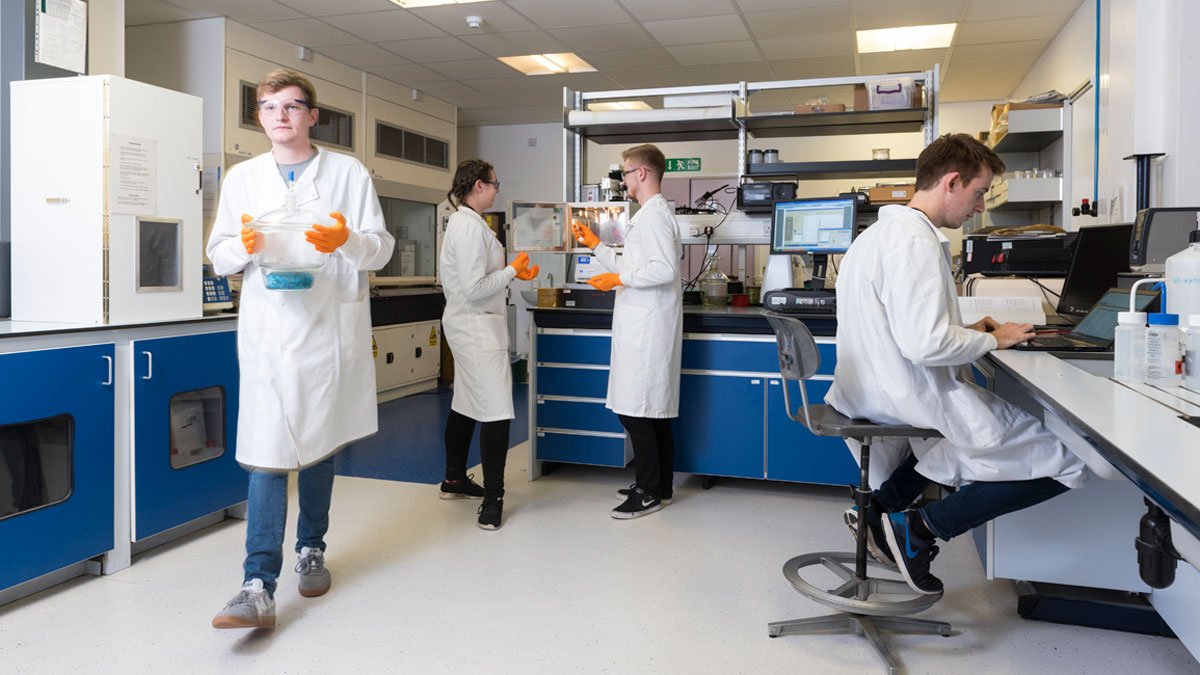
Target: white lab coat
[(901, 350), (647, 324), (474, 278), (307, 384)]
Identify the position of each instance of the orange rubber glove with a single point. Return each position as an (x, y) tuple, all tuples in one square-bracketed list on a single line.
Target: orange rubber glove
[(328, 239), (250, 238), (605, 281), (583, 234), (530, 273), (520, 265)]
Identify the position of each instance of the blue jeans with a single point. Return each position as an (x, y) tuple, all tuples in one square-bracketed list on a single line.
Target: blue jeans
[(266, 515), (967, 508)]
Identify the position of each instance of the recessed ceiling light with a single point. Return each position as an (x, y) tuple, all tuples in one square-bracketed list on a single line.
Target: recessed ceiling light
[(409, 4), (619, 105), (937, 36), (548, 64)]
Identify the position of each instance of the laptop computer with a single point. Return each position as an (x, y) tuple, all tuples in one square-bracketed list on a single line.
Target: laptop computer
[(1095, 332), (1101, 254)]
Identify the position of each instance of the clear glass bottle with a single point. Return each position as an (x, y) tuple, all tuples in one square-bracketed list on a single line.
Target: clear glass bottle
[(1129, 347), (1164, 360), (714, 285)]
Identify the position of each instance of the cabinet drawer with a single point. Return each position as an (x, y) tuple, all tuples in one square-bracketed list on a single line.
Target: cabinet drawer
[(753, 357), (589, 349), (576, 415), (580, 449), (580, 382)]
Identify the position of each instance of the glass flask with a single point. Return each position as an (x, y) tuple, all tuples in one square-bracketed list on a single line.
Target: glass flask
[(288, 261), (714, 285)]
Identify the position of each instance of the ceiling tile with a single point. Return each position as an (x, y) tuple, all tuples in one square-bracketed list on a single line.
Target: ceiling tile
[(769, 5), (1018, 55), (442, 89), (406, 73), (472, 69), (427, 50), (829, 44), (823, 66), (740, 51), (901, 62), (497, 17), (978, 83), (582, 82), (728, 73), (561, 14), (629, 59), (698, 30), (680, 9), (652, 77), (327, 8), (469, 100), (792, 22), (362, 56), (870, 14), (140, 12), (307, 32), (985, 10), (394, 24), (240, 10), (1006, 30), (608, 37), (517, 85), (516, 43)]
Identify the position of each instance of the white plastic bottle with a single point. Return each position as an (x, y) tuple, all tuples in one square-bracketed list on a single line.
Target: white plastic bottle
[(1182, 273), (1191, 360), (1129, 347), (1164, 358)]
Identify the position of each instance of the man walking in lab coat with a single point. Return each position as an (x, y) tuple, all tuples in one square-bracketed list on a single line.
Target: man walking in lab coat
[(901, 352), (647, 330), (307, 384)]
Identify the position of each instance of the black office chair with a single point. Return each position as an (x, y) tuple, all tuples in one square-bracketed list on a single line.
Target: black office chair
[(865, 604)]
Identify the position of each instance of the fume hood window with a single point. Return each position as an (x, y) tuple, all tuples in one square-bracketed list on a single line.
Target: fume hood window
[(412, 224), (35, 464), (197, 426), (158, 259)]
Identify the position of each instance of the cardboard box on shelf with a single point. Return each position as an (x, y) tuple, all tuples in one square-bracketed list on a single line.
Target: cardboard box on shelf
[(549, 297), (891, 194), (822, 108)]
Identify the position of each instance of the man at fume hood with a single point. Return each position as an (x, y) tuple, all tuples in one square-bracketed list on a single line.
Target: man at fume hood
[(307, 372)]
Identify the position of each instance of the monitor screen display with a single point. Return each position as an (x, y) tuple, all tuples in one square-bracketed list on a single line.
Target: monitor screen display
[(813, 225), (1101, 253), (1101, 321)]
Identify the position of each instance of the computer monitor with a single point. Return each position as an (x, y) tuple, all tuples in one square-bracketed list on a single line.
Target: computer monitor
[(1101, 253), (824, 225)]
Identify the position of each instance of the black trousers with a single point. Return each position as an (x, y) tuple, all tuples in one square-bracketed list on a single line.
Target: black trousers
[(653, 453), (493, 450)]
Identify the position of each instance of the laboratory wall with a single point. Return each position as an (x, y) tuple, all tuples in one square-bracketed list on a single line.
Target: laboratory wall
[(528, 159)]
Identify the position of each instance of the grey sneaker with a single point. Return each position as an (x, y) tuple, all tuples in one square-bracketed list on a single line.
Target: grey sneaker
[(252, 607), (314, 578)]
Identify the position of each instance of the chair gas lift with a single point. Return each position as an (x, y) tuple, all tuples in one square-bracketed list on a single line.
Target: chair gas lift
[(865, 604)]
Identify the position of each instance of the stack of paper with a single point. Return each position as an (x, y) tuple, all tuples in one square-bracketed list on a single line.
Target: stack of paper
[(1024, 309)]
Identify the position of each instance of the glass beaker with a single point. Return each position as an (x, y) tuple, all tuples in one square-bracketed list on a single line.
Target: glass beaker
[(714, 285)]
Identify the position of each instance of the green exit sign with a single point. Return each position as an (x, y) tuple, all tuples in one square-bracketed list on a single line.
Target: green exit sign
[(683, 164)]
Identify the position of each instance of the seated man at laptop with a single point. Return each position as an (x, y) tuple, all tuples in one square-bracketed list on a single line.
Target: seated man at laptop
[(902, 349)]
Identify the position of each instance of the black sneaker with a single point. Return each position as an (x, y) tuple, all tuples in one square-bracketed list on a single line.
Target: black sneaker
[(463, 488), (489, 513), (638, 504), (912, 552), (876, 544), (623, 494)]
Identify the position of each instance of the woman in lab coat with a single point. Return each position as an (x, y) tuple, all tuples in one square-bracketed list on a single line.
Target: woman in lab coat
[(474, 280), (647, 330), (307, 382)]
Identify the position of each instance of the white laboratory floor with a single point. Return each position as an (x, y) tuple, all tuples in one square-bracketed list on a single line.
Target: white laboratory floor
[(560, 588)]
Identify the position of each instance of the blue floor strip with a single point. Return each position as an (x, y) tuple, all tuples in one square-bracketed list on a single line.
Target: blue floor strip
[(409, 444)]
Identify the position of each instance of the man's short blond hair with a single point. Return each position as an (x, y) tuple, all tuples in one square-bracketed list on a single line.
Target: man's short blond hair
[(282, 78), (648, 156)]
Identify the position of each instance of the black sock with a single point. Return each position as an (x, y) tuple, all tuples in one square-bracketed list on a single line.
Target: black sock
[(919, 527)]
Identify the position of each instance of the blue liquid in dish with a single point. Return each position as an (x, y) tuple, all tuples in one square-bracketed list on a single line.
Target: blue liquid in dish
[(288, 281)]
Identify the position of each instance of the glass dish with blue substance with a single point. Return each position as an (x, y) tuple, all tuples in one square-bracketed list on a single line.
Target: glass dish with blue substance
[(287, 260)]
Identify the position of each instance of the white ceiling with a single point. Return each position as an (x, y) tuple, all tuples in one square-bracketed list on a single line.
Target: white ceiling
[(639, 43)]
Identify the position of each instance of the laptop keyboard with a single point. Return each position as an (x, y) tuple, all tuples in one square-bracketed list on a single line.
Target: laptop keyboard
[(1053, 341)]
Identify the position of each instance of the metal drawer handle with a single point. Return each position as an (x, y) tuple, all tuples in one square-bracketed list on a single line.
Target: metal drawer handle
[(149, 366), (109, 381)]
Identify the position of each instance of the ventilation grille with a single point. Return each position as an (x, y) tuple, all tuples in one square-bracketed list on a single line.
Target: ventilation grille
[(409, 146), (334, 127), (249, 106)]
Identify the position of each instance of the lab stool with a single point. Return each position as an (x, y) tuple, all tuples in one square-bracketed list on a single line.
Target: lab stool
[(866, 605)]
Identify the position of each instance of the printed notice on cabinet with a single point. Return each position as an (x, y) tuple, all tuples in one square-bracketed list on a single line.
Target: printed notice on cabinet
[(132, 175), (60, 34)]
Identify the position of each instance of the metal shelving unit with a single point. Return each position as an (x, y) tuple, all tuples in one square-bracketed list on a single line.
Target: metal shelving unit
[(871, 168), (1038, 137)]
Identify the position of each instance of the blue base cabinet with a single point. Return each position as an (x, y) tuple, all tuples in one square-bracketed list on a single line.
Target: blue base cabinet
[(185, 393), (794, 453), (56, 459), (719, 431)]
